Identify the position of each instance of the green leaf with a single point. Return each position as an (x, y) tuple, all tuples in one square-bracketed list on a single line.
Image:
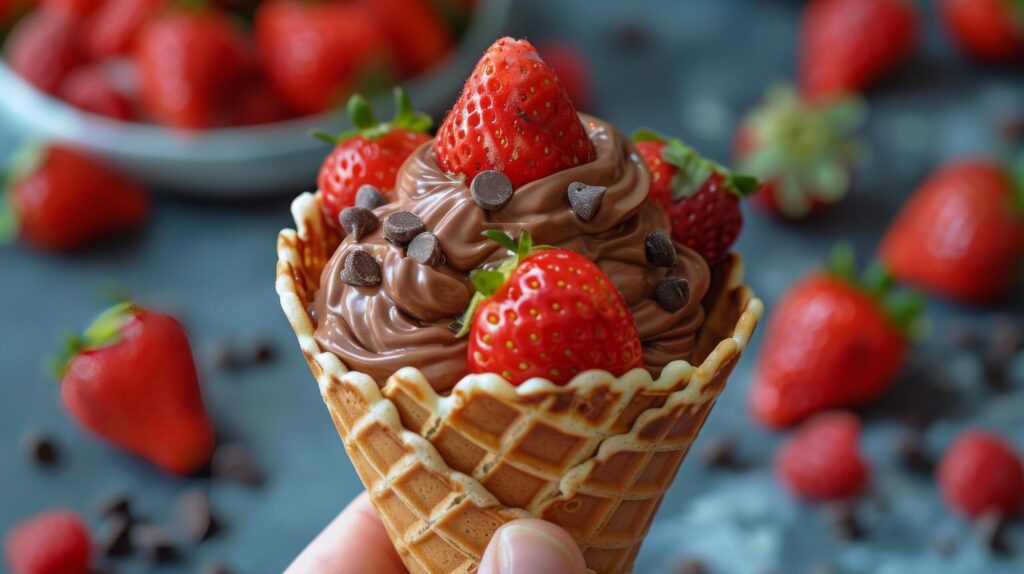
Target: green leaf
[(326, 137), (743, 185), (498, 236), (486, 281), (8, 219), (842, 263), (406, 117), (525, 245), (360, 112), (877, 280), (104, 331), (1017, 175), (906, 310), (647, 135)]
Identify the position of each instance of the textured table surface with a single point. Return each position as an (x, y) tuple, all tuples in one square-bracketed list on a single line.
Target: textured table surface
[(704, 63)]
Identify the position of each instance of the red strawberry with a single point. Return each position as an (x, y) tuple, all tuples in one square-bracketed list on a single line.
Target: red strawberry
[(44, 48), (846, 45), (62, 200), (803, 151), (573, 70), (131, 379), (52, 542), (694, 189), (513, 116), (188, 63), (257, 103), (418, 36), (316, 54), (369, 154), (982, 473), (75, 9), (89, 89), (832, 343), (989, 30), (114, 27), (822, 461), (961, 234), (551, 314)]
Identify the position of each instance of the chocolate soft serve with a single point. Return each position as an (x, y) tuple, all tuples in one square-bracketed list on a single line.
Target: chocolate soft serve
[(404, 321)]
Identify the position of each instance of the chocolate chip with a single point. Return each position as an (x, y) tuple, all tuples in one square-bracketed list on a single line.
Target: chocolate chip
[(1000, 353), (357, 221), (369, 197), (155, 544), (233, 461), (195, 517), (402, 226), (426, 248), (672, 293), (115, 538), (914, 456), (585, 199), (845, 522), (116, 505), (659, 249), (991, 529), (491, 189), (360, 269), (690, 566), (263, 351), (41, 447), (722, 454), (224, 357)]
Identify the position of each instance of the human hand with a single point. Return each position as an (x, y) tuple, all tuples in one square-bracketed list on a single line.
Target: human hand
[(356, 543)]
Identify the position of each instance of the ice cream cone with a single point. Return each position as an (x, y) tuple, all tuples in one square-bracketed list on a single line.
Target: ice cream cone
[(594, 456)]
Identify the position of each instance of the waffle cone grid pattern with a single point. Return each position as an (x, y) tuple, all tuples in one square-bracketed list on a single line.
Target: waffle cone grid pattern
[(594, 456)]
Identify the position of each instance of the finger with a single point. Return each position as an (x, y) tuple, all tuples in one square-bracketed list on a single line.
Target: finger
[(354, 542), (532, 547)]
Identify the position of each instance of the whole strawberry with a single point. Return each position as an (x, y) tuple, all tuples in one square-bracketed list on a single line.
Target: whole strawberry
[(550, 313), (115, 26), (803, 151), (188, 62), (513, 116), (701, 197), (981, 472), (832, 342), (318, 53), (416, 33), (369, 154), (91, 90), (822, 461), (51, 542), (62, 200), (846, 45), (44, 48), (130, 379), (961, 234), (988, 30)]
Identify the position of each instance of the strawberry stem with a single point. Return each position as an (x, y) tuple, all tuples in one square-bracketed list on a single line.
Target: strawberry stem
[(25, 160), (488, 281), (903, 307), (366, 124), (1017, 180), (104, 331), (693, 170)]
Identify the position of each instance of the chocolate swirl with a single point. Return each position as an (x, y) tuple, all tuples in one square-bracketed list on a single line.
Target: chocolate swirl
[(405, 320)]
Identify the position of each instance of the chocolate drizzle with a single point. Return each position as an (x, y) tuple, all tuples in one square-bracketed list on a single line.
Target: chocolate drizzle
[(404, 322)]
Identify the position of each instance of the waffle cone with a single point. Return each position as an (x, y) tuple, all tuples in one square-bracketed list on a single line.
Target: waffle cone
[(594, 456)]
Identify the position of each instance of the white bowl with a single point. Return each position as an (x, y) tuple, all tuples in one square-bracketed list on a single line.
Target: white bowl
[(238, 161)]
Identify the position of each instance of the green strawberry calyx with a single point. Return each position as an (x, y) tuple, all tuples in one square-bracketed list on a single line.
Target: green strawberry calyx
[(488, 281), (365, 123), (104, 331), (692, 169), (23, 162), (807, 149), (903, 307)]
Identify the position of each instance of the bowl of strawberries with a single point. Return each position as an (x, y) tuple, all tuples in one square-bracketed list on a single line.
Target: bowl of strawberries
[(217, 97)]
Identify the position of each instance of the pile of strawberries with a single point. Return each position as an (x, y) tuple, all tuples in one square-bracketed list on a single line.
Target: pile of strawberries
[(198, 65)]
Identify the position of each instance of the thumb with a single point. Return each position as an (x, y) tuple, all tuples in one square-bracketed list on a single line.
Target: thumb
[(532, 547)]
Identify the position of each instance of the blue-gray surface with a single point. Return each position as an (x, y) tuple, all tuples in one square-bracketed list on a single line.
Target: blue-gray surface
[(212, 264)]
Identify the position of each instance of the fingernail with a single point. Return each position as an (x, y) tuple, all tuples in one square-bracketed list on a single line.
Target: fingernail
[(525, 549)]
